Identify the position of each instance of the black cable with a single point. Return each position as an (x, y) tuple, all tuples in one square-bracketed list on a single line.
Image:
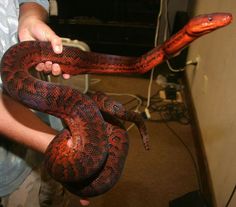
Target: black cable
[(154, 107), (231, 196), (172, 112), (187, 149)]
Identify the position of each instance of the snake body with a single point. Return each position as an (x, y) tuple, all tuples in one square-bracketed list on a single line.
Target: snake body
[(88, 156)]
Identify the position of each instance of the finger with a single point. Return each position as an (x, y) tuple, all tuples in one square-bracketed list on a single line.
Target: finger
[(55, 40), (56, 70), (47, 66), (47, 34), (57, 44), (66, 76), (40, 67), (84, 202)]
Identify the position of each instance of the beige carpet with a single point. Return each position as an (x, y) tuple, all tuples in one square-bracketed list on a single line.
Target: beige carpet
[(150, 178)]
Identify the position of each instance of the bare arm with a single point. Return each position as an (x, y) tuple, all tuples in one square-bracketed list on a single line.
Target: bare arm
[(20, 124)]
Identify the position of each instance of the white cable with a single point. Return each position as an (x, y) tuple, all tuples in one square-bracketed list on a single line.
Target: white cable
[(172, 69), (94, 81), (190, 62), (166, 29), (133, 96), (152, 71), (130, 127), (128, 94), (158, 23), (137, 107)]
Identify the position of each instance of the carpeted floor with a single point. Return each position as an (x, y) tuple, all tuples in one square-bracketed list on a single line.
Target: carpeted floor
[(150, 178)]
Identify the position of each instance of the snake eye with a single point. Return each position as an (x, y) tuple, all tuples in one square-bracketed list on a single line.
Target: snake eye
[(210, 18)]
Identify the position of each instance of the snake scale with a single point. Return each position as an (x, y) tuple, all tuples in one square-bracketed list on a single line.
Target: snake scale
[(88, 156)]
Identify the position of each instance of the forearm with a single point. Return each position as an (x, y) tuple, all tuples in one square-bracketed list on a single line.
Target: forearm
[(30, 14), (32, 10), (21, 125)]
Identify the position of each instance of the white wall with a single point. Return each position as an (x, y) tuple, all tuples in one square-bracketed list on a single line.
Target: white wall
[(213, 87)]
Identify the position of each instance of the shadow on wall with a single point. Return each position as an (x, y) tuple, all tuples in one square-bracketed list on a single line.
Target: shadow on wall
[(191, 7)]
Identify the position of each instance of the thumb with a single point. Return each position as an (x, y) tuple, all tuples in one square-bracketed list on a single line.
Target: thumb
[(56, 44), (50, 36)]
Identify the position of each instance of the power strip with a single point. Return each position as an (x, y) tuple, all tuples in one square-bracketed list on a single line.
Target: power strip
[(163, 96)]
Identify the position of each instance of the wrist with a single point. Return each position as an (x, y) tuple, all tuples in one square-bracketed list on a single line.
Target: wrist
[(31, 15), (33, 11)]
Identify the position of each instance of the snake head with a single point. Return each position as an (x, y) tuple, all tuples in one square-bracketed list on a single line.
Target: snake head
[(204, 24)]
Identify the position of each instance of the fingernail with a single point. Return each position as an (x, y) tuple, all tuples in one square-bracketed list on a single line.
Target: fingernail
[(58, 49)]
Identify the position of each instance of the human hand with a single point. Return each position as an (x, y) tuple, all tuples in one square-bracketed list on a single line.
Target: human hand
[(84, 202), (33, 28)]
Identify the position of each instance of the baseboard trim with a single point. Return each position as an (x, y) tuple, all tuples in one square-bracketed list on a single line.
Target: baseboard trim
[(204, 174)]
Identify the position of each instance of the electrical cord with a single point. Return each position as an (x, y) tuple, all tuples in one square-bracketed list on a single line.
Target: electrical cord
[(156, 104), (173, 70), (187, 149), (152, 71), (166, 34), (135, 97), (173, 112), (130, 95), (231, 196), (165, 111), (139, 100), (162, 11)]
